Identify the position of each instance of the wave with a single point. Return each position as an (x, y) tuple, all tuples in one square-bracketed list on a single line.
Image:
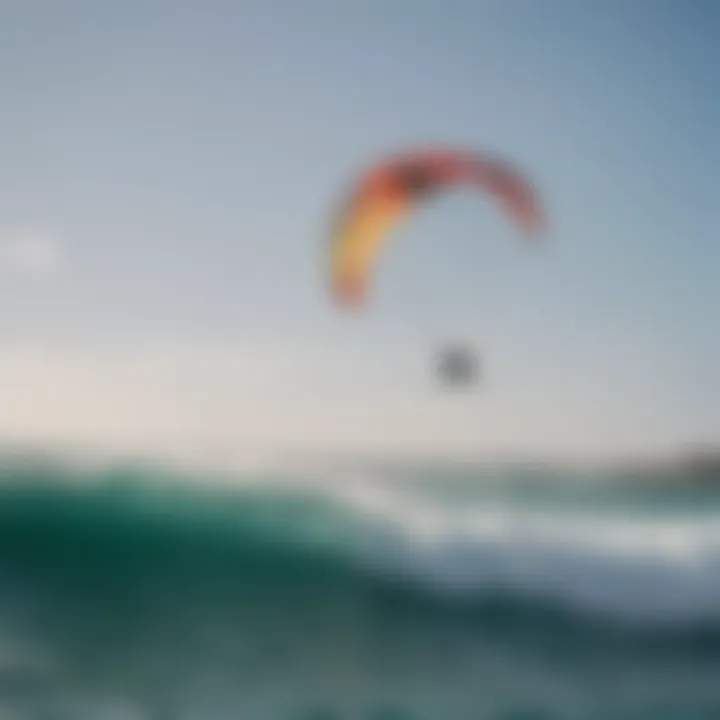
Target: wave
[(644, 569), (640, 570)]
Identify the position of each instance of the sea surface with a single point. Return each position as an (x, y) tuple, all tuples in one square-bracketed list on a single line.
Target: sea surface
[(398, 593)]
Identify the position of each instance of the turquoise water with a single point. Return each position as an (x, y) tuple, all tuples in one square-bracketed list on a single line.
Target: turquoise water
[(344, 595)]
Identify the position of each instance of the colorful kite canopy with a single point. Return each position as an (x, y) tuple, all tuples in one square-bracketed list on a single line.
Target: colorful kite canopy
[(391, 189)]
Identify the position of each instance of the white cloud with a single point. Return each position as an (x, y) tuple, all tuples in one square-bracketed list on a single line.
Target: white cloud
[(31, 254)]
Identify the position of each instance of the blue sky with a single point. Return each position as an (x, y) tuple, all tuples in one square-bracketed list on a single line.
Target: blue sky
[(167, 171)]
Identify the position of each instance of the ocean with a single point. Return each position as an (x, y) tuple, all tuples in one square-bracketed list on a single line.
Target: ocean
[(133, 592)]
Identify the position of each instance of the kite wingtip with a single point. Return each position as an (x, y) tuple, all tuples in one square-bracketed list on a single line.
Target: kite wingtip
[(349, 293)]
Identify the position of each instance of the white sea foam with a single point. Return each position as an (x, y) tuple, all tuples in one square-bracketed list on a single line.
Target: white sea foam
[(643, 568)]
